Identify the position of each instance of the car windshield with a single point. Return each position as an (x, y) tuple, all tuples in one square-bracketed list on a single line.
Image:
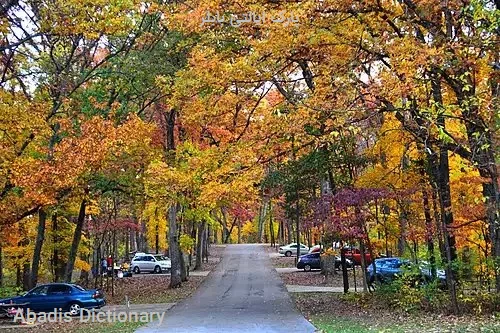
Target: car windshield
[(161, 258)]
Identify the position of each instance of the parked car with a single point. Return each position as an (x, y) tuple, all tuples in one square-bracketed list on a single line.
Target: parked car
[(313, 261), (309, 261), (389, 269), (354, 254), (291, 249), (338, 262), (68, 297), (316, 248), (153, 263)]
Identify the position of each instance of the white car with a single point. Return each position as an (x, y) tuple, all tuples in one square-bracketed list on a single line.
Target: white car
[(153, 263), (291, 249)]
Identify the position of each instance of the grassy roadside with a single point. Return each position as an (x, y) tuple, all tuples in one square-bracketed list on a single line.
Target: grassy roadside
[(330, 324), (127, 327), (336, 313)]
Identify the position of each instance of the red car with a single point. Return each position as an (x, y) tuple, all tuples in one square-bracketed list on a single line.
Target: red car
[(355, 255)]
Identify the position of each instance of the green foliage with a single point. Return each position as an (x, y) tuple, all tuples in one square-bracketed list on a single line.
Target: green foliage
[(410, 294), (339, 325), (480, 302), (10, 291), (198, 215), (186, 243)]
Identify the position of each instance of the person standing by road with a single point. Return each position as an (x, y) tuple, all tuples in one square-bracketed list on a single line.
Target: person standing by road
[(104, 266), (109, 263)]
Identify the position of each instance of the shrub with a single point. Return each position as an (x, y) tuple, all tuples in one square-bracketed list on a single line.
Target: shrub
[(409, 293), (10, 291), (479, 302)]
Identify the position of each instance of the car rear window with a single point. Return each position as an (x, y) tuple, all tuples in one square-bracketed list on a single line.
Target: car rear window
[(160, 258), (79, 287), (42, 290)]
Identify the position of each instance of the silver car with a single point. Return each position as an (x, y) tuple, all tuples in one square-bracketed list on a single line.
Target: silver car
[(291, 249), (153, 263)]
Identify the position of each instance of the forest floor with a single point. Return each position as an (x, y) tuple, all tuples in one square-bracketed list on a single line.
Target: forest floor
[(315, 278), (339, 313), (147, 289)]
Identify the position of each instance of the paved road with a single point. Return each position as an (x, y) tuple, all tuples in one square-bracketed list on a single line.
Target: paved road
[(243, 294)]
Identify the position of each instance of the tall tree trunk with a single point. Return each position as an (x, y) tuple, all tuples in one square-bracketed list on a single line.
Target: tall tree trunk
[(40, 236), (271, 226), (223, 222), (144, 240), (19, 276), (259, 224), (439, 225), (442, 176), (157, 240), (127, 244), (490, 192), (280, 232), (199, 246), (173, 238), (173, 246), (363, 264), (230, 231), (403, 226), (23, 269), (262, 218), (26, 276), (133, 240), (289, 231), (429, 232), (206, 241), (297, 217), (184, 267), (193, 236), (77, 236), (215, 234), (239, 231), (57, 266)]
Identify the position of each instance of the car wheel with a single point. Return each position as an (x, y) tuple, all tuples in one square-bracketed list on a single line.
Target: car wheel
[(288, 253), (137, 270), (307, 268), (75, 309), (157, 270)]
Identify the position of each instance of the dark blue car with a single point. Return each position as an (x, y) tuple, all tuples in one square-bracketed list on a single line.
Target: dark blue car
[(309, 261), (390, 268), (64, 296), (313, 261)]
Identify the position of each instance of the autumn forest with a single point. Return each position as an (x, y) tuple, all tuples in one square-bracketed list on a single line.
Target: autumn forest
[(162, 127)]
